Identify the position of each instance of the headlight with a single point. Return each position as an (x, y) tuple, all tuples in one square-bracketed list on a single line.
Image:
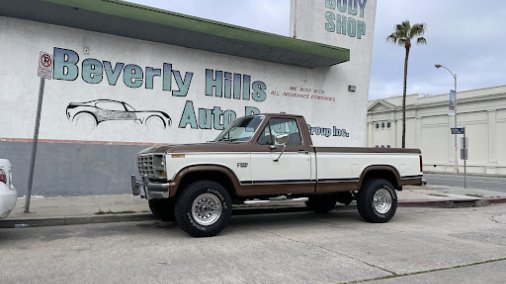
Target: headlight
[(159, 165)]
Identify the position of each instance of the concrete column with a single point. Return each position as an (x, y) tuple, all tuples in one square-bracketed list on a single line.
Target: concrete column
[(492, 137), (399, 129), (370, 134), (393, 133), (418, 131)]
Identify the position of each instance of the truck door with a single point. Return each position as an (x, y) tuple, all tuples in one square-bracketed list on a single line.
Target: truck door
[(280, 158)]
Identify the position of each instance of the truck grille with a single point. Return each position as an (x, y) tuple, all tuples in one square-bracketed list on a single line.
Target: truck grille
[(145, 166)]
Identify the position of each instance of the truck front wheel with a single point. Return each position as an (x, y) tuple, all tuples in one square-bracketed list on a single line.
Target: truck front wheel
[(377, 201), (203, 209)]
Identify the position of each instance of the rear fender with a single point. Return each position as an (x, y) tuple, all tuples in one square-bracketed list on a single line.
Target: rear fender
[(381, 171)]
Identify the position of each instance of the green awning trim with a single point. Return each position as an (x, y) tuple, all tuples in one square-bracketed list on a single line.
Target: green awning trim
[(158, 25)]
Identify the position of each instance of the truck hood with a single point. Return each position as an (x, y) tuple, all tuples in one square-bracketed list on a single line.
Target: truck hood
[(198, 147)]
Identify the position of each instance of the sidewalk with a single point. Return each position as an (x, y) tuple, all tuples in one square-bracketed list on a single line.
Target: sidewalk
[(48, 211)]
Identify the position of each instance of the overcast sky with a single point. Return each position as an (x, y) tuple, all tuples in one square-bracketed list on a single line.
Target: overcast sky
[(469, 37)]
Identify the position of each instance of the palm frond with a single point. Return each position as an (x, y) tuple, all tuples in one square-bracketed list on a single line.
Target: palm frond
[(417, 30), (421, 40), (406, 25), (393, 38), (404, 33)]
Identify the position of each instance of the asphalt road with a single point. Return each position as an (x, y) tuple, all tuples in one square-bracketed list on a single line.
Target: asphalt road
[(420, 245), (480, 182)]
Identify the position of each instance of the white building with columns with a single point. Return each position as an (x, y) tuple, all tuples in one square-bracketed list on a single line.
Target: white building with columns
[(481, 111)]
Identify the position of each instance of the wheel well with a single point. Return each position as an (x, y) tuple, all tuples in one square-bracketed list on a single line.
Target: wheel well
[(86, 112), (161, 118), (215, 176), (381, 174)]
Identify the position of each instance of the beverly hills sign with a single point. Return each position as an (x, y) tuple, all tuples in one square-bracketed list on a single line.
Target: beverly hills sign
[(218, 84)]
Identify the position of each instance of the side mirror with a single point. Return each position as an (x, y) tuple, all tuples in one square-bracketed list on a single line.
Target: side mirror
[(282, 139)]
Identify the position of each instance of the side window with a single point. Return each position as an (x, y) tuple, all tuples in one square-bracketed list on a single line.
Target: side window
[(266, 138), (280, 126), (110, 106)]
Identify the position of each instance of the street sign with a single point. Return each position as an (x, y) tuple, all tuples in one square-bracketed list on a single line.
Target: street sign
[(45, 70), (458, 130)]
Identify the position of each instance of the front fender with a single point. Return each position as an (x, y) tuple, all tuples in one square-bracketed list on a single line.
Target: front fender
[(181, 178)]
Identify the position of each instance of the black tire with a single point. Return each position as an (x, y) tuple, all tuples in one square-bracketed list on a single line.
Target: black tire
[(162, 209), (203, 209), (321, 203), (386, 205)]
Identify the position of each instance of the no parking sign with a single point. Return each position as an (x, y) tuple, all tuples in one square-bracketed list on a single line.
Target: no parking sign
[(45, 70)]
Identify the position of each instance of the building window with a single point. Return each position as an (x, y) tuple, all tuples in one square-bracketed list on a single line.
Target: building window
[(382, 125), (389, 124), (377, 125)]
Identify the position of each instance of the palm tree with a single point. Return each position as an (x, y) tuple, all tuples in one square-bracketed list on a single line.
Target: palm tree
[(402, 36)]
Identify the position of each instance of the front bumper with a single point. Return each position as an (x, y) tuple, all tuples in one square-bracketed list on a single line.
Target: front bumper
[(150, 190)]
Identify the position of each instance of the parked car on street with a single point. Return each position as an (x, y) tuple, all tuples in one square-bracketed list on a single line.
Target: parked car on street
[(98, 111), (266, 156), (8, 193)]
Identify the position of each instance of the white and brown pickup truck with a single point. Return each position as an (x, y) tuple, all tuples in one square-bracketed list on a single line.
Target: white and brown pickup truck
[(264, 156)]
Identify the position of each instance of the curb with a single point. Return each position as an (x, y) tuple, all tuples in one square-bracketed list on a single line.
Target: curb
[(73, 220), (95, 219), (457, 203)]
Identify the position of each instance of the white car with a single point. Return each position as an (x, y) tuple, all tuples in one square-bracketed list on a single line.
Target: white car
[(8, 193)]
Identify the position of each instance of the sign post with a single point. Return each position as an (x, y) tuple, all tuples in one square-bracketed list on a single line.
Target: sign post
[(45, 71), (463, 149), (464, 154)]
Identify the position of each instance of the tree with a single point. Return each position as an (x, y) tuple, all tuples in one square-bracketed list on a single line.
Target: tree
[(402, 36)]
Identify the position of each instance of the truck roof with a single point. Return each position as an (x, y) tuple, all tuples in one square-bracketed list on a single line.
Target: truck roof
[(280, 114)]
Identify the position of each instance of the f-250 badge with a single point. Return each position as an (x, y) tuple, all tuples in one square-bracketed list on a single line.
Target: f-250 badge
[(242, 165)]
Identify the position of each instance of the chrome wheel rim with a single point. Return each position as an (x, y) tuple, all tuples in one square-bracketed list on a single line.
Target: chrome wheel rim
[(382, 201), (206, 209)]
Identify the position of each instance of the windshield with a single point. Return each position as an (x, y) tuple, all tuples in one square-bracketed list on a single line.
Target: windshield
[(242, 129)]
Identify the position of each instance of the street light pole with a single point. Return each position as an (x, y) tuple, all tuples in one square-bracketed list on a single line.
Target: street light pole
[(454, 75)]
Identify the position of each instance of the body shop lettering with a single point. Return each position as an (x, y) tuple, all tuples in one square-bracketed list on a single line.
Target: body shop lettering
[(341, 17)]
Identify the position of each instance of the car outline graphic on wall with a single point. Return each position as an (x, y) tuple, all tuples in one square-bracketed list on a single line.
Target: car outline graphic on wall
[(108, 110)]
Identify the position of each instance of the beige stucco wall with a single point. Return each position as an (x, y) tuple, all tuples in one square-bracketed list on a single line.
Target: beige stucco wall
[(482, 112), (348, 24)]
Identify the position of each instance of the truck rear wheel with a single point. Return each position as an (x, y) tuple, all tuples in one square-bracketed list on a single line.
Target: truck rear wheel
[(203, 209), (377, 201), (321, 203), (162, 209)]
